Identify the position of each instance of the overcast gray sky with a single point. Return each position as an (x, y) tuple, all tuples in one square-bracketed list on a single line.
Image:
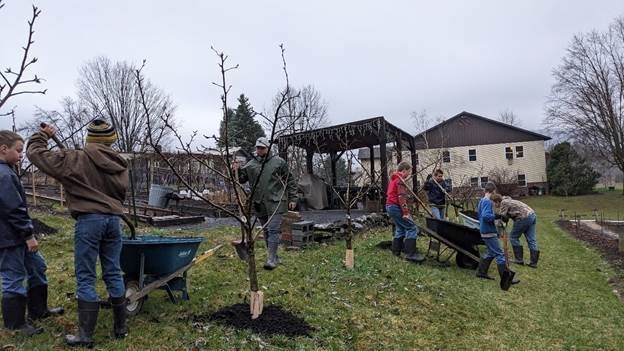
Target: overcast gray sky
[(367, 58)]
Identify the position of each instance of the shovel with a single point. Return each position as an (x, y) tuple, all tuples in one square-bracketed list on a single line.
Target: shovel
[(241, 246), (508, 275)]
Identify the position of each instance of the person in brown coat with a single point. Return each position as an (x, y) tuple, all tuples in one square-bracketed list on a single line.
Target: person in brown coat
[(95, 180)]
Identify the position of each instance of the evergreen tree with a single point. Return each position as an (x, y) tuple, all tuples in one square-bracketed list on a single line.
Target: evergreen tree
[(243, 129), (568, 173)]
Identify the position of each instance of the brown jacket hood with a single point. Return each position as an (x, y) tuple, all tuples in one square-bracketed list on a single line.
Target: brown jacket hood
[(95, 178), (105, 158)]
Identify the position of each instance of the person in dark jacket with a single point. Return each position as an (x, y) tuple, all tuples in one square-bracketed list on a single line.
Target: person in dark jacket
[(436, 187), (274, 192), (20, 258), (95, 180), (405, 230), (489, 234)]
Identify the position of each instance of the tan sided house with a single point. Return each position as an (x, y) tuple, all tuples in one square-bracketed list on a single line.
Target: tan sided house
[(471, 148)]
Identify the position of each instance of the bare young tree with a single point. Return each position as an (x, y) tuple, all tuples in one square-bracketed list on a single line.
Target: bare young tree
[(586, 103), (242, 196), (70, 122), (109, 90), (509, 117), (13, 81)]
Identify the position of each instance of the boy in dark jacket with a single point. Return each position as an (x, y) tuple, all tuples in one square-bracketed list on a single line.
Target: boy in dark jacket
[(489, 234), (436, 187), (95, 179), (19, 256), (396, 206)]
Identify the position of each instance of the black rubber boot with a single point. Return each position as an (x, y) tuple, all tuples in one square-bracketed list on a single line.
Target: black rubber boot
[(87, 318), (397, 246), (518, 255), (411, 252), (14, 315), (534, 258), (484, 266), (38, 304), (271, 262), (507, 276), (120, 329)]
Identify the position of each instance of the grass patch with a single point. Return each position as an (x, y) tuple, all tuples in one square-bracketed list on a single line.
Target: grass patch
[(384, 303)]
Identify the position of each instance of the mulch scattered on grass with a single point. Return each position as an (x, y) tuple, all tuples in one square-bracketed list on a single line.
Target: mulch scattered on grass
[(384, 245), (606, 245), (41, 228), (273, 320)]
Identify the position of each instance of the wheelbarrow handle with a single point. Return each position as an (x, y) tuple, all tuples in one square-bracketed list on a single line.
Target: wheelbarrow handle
[(130, 225)]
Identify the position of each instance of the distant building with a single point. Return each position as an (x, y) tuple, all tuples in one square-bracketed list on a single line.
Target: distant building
[(470, 148)]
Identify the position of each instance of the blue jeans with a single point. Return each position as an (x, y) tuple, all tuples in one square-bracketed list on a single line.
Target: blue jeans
[(527, 227), (402, 227), (493, 250), (98, 234), (438, 212), (273, 229), (17, 265)]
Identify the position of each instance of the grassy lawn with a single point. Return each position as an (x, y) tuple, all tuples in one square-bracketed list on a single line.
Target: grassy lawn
[(385, 303)]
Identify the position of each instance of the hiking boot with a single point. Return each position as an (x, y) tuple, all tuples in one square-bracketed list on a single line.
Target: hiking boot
[(14, 315), (271, 262), (397, 246), (120, 330), (506, 276), (484, 266), (534, 258), (411, 252), (38, 304), (518, 255), (87, 318)]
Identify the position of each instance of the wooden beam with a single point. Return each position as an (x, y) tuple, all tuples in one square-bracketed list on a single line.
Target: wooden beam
[(384, 162), (371, 149), (309, 158)]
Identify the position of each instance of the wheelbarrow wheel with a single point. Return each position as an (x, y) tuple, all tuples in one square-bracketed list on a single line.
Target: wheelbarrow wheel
[(464, 261), (133, 308)]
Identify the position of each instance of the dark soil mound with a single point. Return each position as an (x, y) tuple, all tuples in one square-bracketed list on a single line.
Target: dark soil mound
[(273, 320), (384, 245), (42, 228)]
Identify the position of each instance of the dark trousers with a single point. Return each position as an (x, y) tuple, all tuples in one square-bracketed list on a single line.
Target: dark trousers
[(18, 265)]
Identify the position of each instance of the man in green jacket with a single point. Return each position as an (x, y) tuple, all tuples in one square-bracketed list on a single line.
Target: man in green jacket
[(274, 191)]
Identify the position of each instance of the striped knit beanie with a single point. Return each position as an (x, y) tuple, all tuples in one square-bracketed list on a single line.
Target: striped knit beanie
[(101, 132)]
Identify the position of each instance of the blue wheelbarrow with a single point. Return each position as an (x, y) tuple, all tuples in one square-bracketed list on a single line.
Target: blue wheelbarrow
[(151, 262)]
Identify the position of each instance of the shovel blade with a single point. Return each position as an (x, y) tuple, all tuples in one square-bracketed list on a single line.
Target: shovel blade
[(241, 249), (506, 279)]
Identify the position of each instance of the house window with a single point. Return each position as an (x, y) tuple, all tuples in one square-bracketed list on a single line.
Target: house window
[(521, 179), (484, 181), (519, 151), (446, 156), (474, 182), (508, 153), (472, 155)]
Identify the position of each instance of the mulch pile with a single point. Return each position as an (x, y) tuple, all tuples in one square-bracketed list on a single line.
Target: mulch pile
[(42, 228), (607, 245), (273, 320)]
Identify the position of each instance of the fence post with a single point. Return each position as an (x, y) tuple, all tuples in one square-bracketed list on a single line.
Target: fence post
[(61, 195), (34, 191)]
